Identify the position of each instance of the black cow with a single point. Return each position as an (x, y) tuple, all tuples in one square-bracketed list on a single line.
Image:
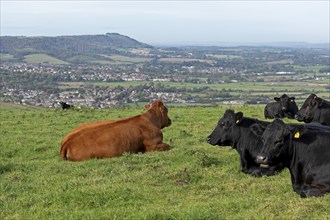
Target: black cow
[(233, 130), (64, 105), (284, 106), (314, 109), (304, 149)]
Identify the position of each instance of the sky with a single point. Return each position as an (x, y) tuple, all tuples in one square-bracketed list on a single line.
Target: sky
[(172, 22)]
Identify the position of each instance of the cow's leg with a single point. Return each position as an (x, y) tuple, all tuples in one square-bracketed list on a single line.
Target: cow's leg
[(162, 147), (151, 145), (244, 160), (270, 171), (297, 177), (311, 192)]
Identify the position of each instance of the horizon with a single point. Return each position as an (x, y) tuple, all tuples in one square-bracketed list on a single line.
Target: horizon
[(173, 23), (206, 44)]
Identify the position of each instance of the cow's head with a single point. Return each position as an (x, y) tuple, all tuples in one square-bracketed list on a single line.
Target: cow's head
[(222, 133), (285, 102), (276, 140), (307, 109), (159, 112)]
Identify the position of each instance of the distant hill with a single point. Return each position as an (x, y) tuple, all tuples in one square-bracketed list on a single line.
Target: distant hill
[(68, 49)]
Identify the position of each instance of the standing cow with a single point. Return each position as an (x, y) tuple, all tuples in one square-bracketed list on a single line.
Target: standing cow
[(314, 109), (112, 138), (234, 130), (304, 150), (284, 106)]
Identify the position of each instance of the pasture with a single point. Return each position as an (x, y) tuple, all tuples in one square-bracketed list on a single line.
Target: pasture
[(193, 180), (43, 58), (248, 90)]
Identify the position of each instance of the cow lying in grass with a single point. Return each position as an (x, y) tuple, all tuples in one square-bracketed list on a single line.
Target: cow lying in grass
[(284, 106), (234, 130), (303, 149), (314, 109), (113, 138)]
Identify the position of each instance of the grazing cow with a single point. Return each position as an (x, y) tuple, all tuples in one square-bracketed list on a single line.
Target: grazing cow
[(64, 105), (112, 138), (314, 109), (304, 149), (284, 106), (234, 129)]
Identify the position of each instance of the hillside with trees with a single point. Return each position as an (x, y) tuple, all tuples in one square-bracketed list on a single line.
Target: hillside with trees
[(72, 49)]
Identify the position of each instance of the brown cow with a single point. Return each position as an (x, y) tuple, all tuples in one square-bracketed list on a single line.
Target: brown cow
[(112, 138)]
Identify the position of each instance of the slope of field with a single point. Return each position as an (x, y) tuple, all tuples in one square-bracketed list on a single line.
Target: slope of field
[(8, 106), (118, 59), (247, 90), (193, 180), (43, 58)]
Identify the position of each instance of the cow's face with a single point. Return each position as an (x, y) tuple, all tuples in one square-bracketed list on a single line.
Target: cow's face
[(160, 111), (165, 119), (222, 133), (285, 102), (275, 140), (306, 111)]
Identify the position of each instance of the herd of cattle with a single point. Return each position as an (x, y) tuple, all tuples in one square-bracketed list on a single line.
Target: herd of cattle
[(265, 148)]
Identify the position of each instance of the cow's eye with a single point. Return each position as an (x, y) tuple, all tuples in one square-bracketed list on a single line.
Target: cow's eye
[(222, 124)]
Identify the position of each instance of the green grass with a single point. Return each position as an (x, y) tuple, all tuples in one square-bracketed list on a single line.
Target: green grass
[(193, 180), (118, 59), (4, 105), (248, 90), (308, 68), (6, 57), (244, 86), (181, 60), (43, 58), (220, 56)]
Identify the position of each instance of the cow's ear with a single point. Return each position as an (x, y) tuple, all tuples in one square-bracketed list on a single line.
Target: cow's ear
[(319, 101), (160, 106), (297, 131), (148, 106), (277, 99), (292, 99), (257, 129), (238, 117)]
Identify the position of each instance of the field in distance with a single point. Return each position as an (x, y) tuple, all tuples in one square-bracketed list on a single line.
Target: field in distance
[(193, 180)]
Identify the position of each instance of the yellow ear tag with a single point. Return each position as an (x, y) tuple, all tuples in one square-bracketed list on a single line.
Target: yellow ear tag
[(237, 121), (292, 100), (161, 109), (297, 135)]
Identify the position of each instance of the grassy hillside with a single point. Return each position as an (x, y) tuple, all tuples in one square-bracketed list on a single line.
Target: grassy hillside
[(193, 180), (43, 58), (247, 90)]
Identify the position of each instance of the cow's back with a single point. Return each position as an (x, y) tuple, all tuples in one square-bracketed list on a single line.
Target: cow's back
[(103, 139), (322, 115), (314, 146), (273, 110)]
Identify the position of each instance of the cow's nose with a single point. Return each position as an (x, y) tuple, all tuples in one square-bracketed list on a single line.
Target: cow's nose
[(261, 159), (208, 139)]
